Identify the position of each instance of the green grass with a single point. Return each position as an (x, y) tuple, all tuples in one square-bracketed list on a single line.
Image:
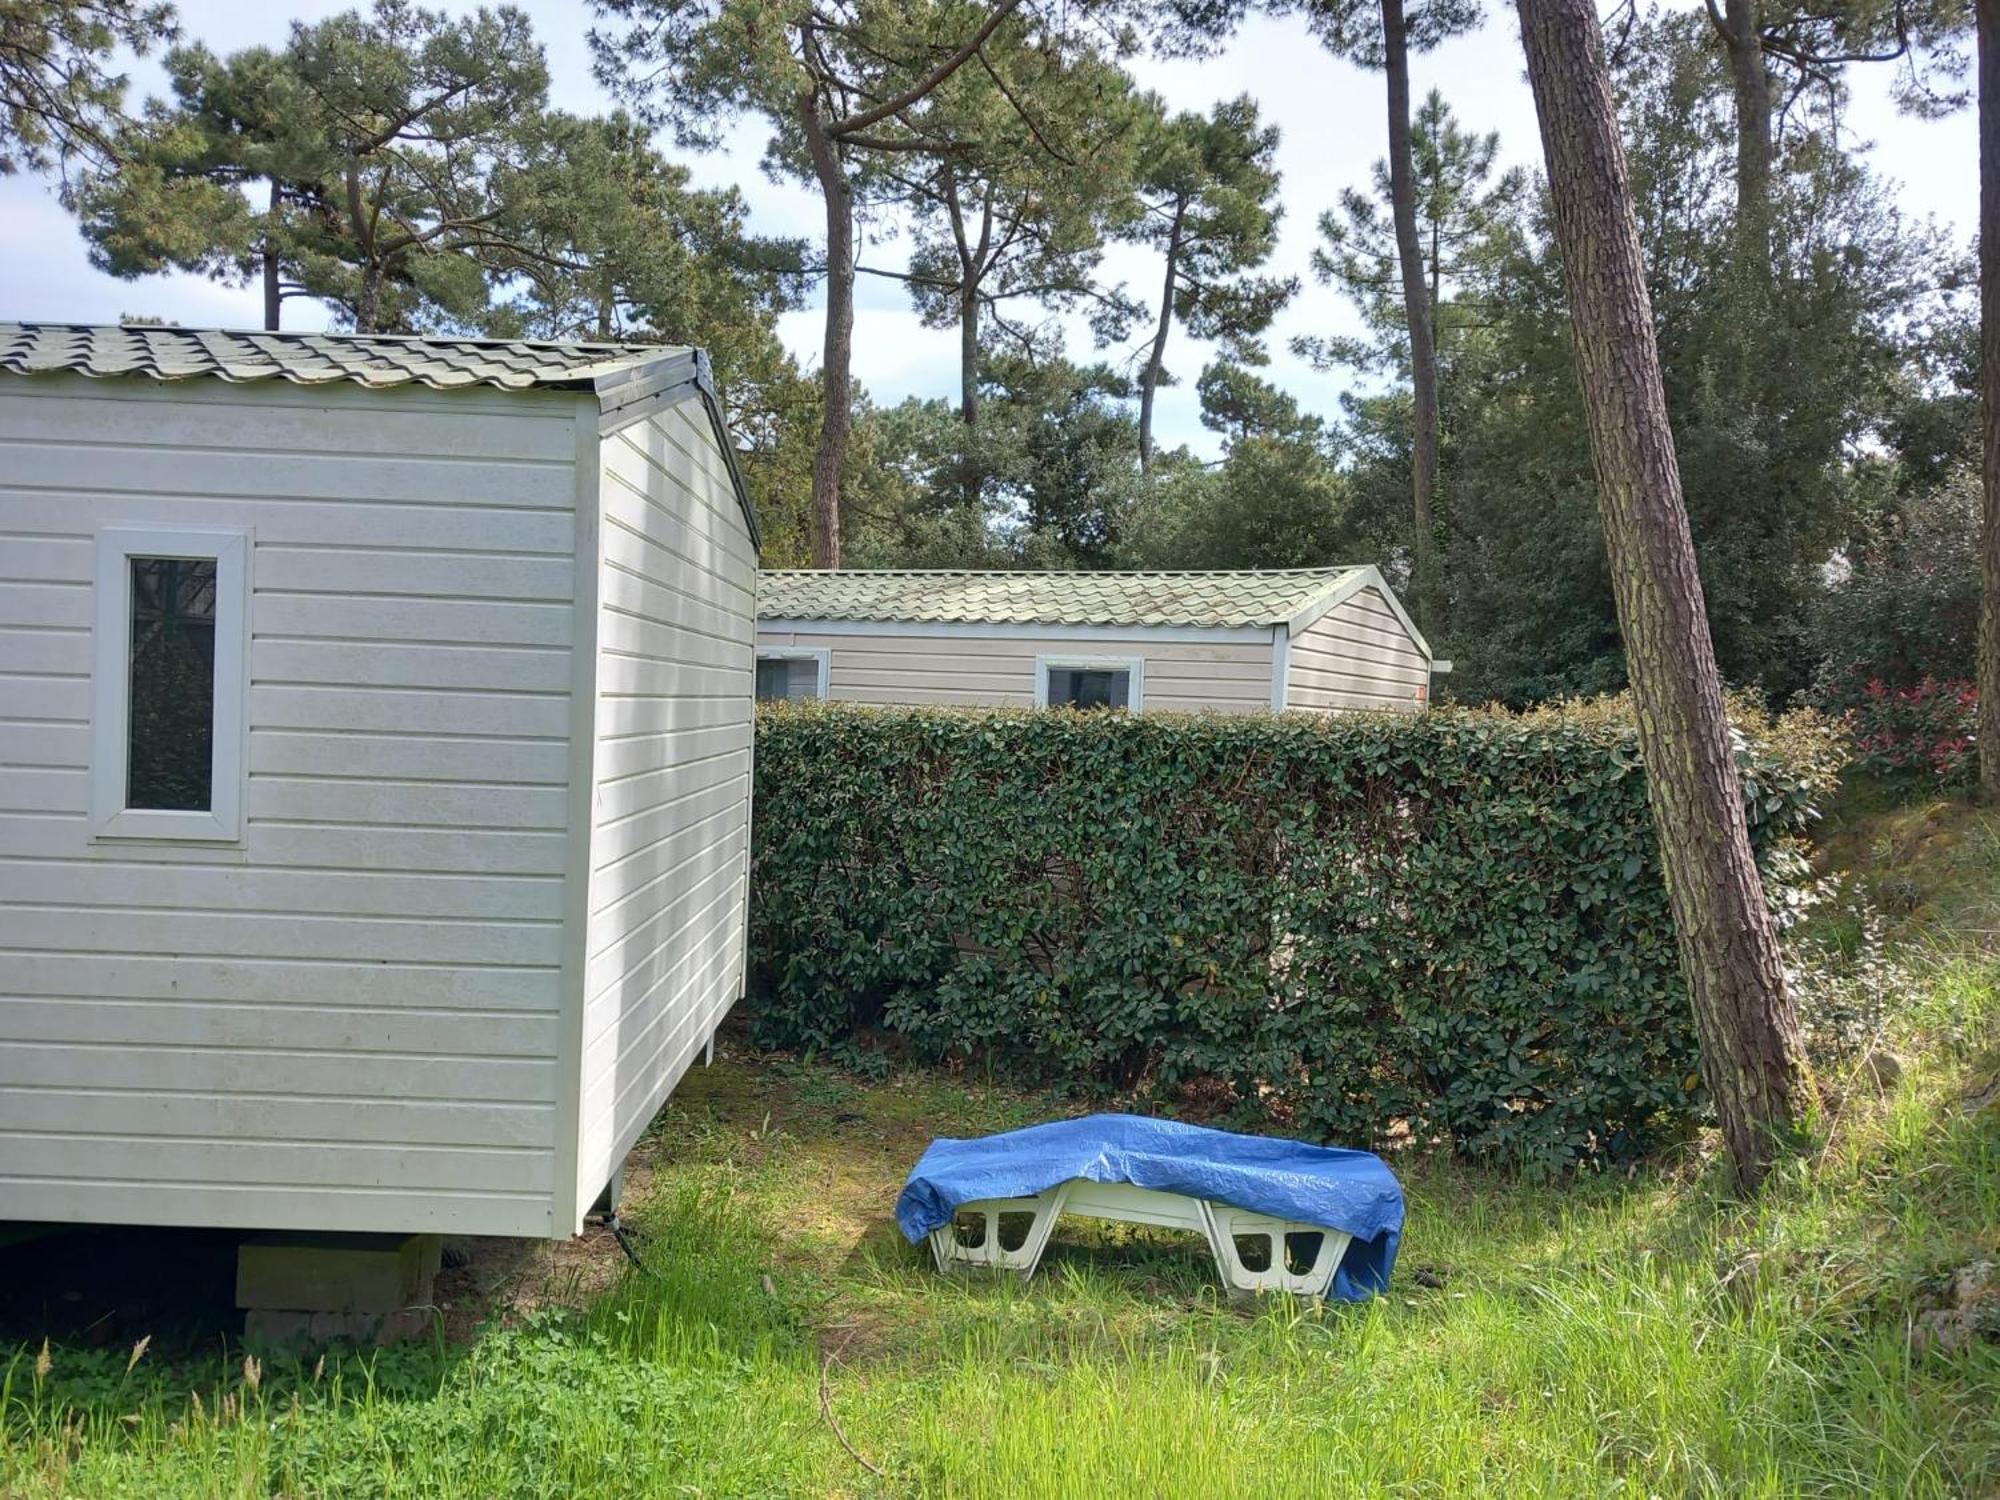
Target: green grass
[(1641, 1335)]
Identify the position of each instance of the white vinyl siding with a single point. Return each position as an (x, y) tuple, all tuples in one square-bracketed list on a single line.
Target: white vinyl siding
[(1356, 656), (351, 1019), (669, 857), (940, 667)]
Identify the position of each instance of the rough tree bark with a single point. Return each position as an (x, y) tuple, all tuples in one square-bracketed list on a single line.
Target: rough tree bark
[(1425, 593), (837, 353), (1988, 26), (1156, 357), (1751, 1055)]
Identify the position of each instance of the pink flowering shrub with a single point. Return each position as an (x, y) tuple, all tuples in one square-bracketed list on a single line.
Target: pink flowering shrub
[(1924, 731)]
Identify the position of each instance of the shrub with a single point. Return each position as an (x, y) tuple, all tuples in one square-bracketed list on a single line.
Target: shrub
[(1451, 922), (1924, 732), (1907, 607)]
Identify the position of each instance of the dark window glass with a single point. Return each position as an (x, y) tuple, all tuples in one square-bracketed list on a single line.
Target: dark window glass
[(787, 677), (1089, 687), (170, 754)]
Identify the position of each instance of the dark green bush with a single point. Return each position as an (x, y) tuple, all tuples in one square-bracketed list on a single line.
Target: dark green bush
[(1450, 921)]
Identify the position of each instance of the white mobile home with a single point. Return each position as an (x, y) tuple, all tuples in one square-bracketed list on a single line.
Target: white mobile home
[(1326, 640), (374, 772)]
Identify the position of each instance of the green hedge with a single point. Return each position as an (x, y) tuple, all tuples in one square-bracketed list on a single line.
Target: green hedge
[(1452, 923)]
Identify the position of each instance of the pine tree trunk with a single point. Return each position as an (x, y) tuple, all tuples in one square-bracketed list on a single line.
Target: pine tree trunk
[(968, 356), (1156, 357), (1750, 83), (836, 361), (1425, 592), (1988, 25), (274, 300), (1751, 1054)]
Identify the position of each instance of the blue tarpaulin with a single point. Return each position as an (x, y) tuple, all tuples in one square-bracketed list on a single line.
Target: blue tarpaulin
[(1352, 1191)]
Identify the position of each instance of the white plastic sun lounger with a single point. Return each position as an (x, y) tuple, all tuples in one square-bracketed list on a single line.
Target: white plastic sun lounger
[(1253, 1252)]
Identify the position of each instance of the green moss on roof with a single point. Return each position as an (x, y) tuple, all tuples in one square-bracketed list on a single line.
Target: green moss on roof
[(1237, 598)]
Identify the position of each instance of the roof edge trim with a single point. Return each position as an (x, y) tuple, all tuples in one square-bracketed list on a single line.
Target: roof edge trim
[(630, 395)]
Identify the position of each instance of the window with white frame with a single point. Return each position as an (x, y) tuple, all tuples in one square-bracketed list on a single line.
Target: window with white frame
[(792, 672), (167, 726), (1090, 682)]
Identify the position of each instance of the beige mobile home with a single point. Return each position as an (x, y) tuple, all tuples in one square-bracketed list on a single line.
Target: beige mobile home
[(1327, 640), (375, 742)]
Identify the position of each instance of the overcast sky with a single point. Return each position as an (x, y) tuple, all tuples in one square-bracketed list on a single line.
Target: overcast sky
[(1330, 113)]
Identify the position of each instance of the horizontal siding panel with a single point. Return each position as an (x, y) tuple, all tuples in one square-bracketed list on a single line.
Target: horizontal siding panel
[(47, 559), (408, 757), (400, 664), (44, 744), (345, 421), (632, 635), (86, 930), (409, 711), (649, 677), (507, 852), (411, 620), (1325, 670), (650, 543), (332, 478), (101, 881), (621, 904), (672, 610), (224, 1070), (654, 1057), (242, 1206), (639, 754), (712, 789), (657, 919), (63, 698), (29, 649), (177, 1022), (380, 570), (271, 1117), (40, 791), (620, 718), (276, 520), (441, 804), (648, 460), (691, 561), (280, 982), (303, 844), (337, 1163), (64, 604)]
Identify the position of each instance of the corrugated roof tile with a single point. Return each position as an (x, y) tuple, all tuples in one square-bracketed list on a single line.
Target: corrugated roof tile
[(1247, 597), (377, 360)]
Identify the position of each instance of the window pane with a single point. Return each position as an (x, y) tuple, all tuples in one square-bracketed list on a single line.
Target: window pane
[(787, 677), (1089, 687), (771, 678), (170, 753)]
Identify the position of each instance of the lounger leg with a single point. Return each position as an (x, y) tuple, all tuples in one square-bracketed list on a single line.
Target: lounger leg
[(1277, 1244), (949, 1248)]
